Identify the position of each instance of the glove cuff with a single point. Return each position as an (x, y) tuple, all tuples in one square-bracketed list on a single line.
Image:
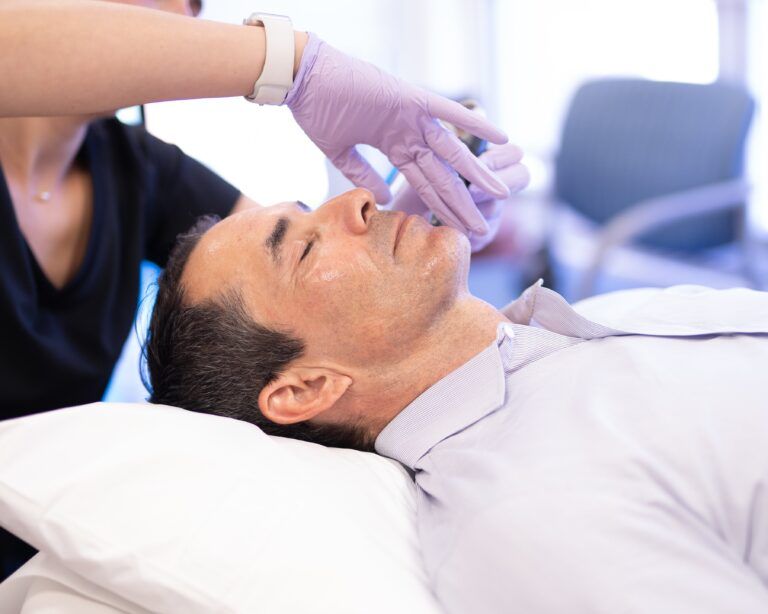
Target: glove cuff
[(311, 51)]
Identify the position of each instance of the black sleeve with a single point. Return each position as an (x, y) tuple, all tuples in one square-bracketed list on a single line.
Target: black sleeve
[(181, 190)]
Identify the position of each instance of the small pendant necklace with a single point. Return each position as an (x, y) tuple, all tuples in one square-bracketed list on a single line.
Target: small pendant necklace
[(45, 196)]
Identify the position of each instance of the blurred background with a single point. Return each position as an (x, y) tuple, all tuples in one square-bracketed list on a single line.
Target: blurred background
[(641, 120)]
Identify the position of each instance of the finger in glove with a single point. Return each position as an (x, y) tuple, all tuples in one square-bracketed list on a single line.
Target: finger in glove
[(448, 146), (452, 192), (357, 169), (429, 197), (462, 117)]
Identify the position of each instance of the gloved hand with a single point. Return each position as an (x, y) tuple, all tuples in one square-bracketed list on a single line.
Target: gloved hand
[(340, 101), (505, 161)]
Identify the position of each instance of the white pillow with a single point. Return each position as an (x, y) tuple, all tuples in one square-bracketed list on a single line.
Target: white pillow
[(184, 512), (44, 586)]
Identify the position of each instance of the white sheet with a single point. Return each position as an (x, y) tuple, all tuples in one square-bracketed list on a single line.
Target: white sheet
[(44, 586)]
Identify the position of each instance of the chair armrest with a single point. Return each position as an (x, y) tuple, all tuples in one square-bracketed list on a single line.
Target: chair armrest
[(660, 211)]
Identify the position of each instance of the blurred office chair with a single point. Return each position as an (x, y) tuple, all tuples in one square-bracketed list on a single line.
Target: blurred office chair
[(649, 187)]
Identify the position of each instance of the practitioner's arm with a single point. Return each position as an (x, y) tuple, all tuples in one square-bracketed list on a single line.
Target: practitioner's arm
[(83, 56)]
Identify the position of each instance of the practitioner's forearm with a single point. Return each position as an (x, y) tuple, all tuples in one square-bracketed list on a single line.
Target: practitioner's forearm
[(81, 56)]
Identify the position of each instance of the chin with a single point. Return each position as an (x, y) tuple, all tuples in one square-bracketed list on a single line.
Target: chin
[(445, 268), (452, 247)]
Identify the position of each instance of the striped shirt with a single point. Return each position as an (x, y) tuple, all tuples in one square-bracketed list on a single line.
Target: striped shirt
[(618, 465)]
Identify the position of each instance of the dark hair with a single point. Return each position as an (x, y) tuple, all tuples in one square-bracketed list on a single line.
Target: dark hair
[(213, 357)]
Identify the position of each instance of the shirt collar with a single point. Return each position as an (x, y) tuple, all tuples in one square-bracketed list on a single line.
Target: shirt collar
[(460, 399)]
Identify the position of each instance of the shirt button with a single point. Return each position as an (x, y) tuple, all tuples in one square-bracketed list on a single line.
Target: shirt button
[(508, 330)]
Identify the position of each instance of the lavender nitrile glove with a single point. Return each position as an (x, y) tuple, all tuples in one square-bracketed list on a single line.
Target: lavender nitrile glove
[(505, 161), (340, 102)]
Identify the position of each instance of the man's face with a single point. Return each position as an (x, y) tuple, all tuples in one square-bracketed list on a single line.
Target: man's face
[(354, 283)]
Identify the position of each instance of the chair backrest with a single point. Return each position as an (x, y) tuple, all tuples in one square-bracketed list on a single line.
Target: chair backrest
[(626, 140)]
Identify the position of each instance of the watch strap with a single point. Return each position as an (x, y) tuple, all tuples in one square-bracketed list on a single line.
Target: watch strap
[(276, 77)]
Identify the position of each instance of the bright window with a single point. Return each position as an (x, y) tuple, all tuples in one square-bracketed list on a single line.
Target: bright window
[(758, 81), (546, 48)]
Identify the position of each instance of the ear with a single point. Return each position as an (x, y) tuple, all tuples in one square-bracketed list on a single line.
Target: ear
[(301, 393)]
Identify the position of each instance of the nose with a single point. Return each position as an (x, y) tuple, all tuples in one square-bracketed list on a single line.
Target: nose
[(194, 7), (354, 209)]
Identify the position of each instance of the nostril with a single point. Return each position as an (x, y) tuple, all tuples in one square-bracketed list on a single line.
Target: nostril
[(367, 211)]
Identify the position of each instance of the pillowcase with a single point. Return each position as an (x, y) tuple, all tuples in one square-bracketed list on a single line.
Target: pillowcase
[(44, 586), (184, 512)]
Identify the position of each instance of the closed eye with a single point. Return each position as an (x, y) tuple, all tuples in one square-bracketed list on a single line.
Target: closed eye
[(306, 250)]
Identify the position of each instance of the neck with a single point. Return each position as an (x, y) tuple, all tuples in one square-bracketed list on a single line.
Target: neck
[(465, 331), (38, 152)]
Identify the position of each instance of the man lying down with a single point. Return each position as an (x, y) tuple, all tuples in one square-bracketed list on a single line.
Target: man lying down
[(561, 465)]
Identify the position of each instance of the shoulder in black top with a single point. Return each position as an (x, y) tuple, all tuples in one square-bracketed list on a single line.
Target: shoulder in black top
[(58, 347)]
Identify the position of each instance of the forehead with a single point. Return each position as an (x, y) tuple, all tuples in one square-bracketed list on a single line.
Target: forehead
[(232, 249)]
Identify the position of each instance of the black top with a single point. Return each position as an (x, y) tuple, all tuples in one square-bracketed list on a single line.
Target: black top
[(58, 347)]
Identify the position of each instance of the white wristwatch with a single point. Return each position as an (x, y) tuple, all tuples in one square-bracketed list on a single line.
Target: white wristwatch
[(276, 77)]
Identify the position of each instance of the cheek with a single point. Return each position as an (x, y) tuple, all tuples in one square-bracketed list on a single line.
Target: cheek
[(339, 265), (330, 276), (346, 290), (322, 292), (338, 282), (443, 256)]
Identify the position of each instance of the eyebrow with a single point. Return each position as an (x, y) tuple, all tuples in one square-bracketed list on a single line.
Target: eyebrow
[(275, 239)]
